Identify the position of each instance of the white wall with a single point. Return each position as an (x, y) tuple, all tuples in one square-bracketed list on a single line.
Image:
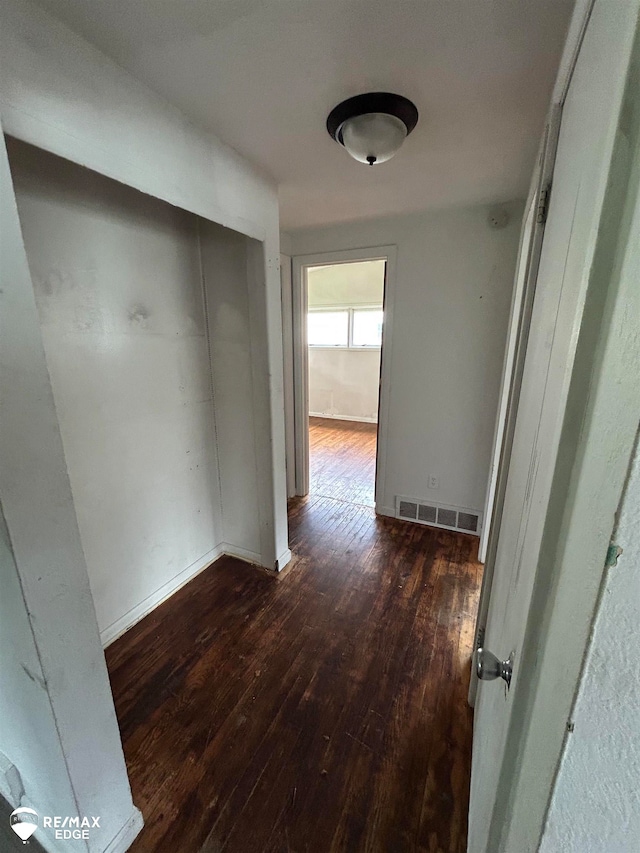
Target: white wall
[(117, 281), (163, 480), (59, 93), (450, 303), (224, 264), (596, 800), (344, 383)]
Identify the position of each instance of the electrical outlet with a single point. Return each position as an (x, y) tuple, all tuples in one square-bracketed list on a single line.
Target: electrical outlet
[(434, 482)]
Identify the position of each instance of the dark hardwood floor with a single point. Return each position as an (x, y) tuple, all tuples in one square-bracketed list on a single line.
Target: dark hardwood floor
[(342, 460), (321, 711)]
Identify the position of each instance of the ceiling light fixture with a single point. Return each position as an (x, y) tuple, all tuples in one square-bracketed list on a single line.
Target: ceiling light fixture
[(372, 127)]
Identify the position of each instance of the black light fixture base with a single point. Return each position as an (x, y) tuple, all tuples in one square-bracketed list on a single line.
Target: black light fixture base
[(371, 102)]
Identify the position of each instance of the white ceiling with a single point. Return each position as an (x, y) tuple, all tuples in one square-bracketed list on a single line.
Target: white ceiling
[(264, 74)]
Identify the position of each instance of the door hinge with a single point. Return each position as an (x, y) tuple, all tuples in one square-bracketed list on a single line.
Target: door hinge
[(543, 205)]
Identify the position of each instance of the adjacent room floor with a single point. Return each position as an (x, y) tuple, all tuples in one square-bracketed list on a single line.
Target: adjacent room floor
[(322, 711), (342, 460)]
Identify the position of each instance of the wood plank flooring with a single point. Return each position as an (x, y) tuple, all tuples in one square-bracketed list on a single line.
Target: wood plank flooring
[(323, 711), (342, 460)]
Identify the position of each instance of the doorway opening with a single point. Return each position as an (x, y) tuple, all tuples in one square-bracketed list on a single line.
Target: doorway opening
[(342, 315), (344, 335)]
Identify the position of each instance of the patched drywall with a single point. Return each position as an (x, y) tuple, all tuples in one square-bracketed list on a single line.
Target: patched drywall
[(595, 805)]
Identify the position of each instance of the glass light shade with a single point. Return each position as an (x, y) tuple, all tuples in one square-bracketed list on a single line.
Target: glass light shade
[(373, 137)]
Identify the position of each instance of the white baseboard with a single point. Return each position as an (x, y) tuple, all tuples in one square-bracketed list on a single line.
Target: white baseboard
[(385, 510), (127, 834), (129, 619), (133, 616), (229, 550), (344, 418), (283, 560)]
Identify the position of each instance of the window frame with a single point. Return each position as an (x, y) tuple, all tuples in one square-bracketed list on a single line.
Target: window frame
[(350, 309)]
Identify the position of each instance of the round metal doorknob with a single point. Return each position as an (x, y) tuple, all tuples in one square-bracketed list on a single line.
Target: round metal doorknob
[(489, 667)]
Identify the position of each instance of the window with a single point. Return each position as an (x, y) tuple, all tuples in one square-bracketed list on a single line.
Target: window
[(352, 328), (328, 328), (367, 327)]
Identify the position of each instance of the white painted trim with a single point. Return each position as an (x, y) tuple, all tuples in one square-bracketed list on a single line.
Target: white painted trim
[(384, 402), (516, 323), (352, 418), (351, 312), (387, 511), (265, 333), (510, 389), (541, 178), (287, 358), (597, 445), (283, 560), (301, 354), (252, 557), (133, 616), (163, 593), (575, 34), (300, 376), (344, 306), (127, 834), (340, 348)]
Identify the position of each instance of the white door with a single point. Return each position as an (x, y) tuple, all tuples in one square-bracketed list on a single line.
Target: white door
[(515, 326), (518, 332), (589, 122)]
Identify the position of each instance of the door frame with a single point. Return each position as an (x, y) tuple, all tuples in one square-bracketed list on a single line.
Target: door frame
[(517, 337), (596, 446), (287, 363), (300, 265), (541, 181), (515, 352), (512, 372)]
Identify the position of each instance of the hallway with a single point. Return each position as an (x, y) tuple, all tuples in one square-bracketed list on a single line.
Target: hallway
[(323, 710)]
